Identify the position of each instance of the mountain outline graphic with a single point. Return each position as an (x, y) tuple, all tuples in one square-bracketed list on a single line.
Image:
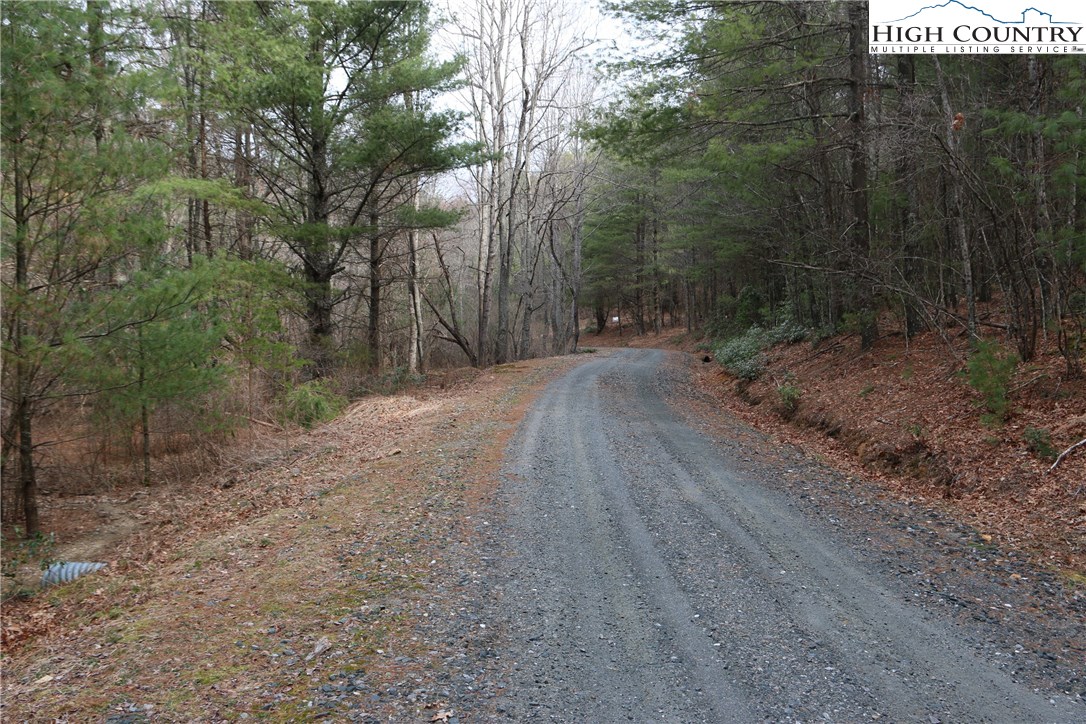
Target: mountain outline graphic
[(986, 14)]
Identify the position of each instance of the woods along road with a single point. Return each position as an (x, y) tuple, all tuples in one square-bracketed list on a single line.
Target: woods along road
[(651, 570)]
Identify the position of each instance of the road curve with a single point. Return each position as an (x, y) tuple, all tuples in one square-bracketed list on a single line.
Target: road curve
[(646, 579)]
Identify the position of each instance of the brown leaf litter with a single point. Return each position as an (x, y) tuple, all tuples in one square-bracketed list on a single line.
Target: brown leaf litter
[(236, 595)]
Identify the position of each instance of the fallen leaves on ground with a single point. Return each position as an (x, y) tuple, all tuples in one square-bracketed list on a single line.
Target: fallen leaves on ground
[(297, 585)]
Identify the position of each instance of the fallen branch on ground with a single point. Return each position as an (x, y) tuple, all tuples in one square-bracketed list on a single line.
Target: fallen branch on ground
[(1064, 454)]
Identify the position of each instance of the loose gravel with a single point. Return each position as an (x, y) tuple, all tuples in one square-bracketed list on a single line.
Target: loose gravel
[(648, 558)]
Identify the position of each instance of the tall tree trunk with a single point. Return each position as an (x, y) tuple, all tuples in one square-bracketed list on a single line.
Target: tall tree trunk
[(242, 179), (657, 302), (639, 293), (188, 74), (826, 210), (24, 401), (319, 318), (97, 41), (555, 316), (577, 241), (861, 229), (488, 255), (1071, 334), (414, 354), (906, 169), (505, 271), (525, 350), (376, 282), (319, 265), (1043, 258), (205, 205), (506, 218), (955, 202), (145, 415), (198, 99)]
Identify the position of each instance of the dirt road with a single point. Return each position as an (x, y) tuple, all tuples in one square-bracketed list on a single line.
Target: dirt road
[(650, 571)]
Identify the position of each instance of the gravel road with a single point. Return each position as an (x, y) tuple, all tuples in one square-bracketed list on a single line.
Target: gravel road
[(643, 569)]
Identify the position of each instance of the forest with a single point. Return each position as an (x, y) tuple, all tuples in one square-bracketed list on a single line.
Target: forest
[(221, 215)]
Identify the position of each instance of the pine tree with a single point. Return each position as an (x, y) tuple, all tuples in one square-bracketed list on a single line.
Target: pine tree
[(322, 85), (73, 219)]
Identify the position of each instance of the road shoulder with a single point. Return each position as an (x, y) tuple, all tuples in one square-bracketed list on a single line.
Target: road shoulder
[(331, 578)]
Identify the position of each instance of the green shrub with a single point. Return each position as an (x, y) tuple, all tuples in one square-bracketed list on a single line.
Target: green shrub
[(788, 332), (788, 396), (310, 403), (1039, 442), (742, 356), (989, 370)]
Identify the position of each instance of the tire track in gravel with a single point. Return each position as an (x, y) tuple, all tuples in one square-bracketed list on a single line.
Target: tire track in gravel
[(649, 581)]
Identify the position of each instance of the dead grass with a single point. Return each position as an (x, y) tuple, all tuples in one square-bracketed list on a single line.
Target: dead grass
[(302, 545)]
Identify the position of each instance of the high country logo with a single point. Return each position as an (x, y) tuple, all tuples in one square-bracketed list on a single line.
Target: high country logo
[(980, 27)]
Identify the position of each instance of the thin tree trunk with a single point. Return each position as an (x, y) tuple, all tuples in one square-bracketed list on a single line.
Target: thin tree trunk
[(205, 205), (639, 265), (861, 229), (957, 207), (27, 472), (198, 98), (577, 240), (525, 350), (414, 355), (552, 311), (374, 321), (145, 416), (906, 168), (657, 303), (188, 73), (96, 37), (452, 324), (488, 254), (24, 403), (1041, 260), (242, 142)]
